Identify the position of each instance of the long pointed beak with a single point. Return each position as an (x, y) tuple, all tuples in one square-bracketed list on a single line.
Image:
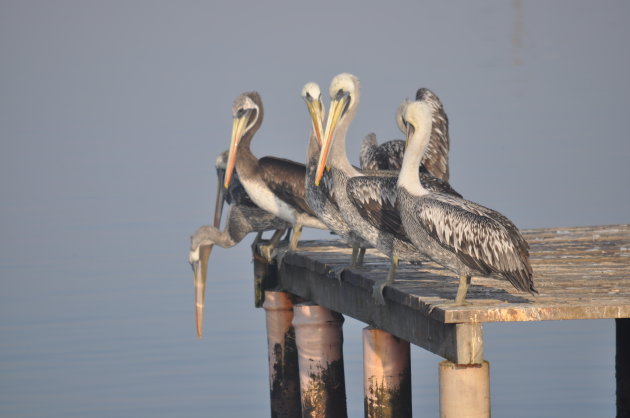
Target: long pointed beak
[(316, 110), (218, 204), (238, 129), (408, 133), (200, 271), (336, 109)]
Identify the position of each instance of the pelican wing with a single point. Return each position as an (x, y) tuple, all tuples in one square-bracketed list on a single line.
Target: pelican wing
[(436, 156), (366, 152), (435, 159), (285, 178), (375, 199), (326, 184), (479, 236), (387, 156), (435, 184)]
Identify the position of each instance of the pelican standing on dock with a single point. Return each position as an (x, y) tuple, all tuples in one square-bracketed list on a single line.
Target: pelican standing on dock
[(367, 203), (243, 217), (389, 155), (274, 184), (319, 197), (463, 236)]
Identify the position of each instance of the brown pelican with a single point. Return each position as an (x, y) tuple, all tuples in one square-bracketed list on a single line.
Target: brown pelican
[(367, 203), (463, 236), (243, 217), (319, 198), (274, 184), (389, 155)]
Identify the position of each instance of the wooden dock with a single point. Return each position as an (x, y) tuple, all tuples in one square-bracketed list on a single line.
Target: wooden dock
[(580, 272)]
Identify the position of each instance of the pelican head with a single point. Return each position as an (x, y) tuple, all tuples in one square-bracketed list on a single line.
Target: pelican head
[(344, 95), (312, 95), (246, 117), (416, 117), (399, 116), (200, 249)]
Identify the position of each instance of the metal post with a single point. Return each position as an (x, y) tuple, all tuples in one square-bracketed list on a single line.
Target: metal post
[(284, 379), (622, 366), (386, 375), (464, 390), (319, 340)]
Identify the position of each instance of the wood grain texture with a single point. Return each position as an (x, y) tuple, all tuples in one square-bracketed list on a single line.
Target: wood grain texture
[(580, 272)]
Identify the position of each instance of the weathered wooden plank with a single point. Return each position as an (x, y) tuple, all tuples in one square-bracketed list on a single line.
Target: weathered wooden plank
[(581, 273)]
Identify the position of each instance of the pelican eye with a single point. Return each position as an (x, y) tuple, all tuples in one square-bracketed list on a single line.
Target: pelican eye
[(339, 94), (345, 108), (240, 113)]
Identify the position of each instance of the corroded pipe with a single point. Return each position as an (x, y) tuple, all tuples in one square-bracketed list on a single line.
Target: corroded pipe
[(386, 375), (319, 340), (464, 390), (284, 378)]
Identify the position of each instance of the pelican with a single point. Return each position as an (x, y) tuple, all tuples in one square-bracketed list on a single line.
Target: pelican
[(274, 184), (389, 155), (463, 236), (367, 203), (386, 156), (243, 217), (319, 199)]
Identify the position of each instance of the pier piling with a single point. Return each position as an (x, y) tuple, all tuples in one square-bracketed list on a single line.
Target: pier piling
[(319, 339), (386, 375), (284, 377), (464, 390)]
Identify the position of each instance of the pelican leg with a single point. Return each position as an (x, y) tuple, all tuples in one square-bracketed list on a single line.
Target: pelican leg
[(358, 254), (460, 299), (286, 238), (462, 290), (267, 250), (377, 290), (361, 256), (256, 241), (297, 231), (355, 254), (357, 260), (336, 272)]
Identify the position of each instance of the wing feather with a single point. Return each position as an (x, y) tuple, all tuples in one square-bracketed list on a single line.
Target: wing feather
[(482, 238), (375, 199), (285, 178)]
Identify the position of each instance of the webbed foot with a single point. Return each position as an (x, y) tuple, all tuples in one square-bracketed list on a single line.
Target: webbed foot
[(336, 272), (280, 253), (268, 251), (377, 292), (449, 304)]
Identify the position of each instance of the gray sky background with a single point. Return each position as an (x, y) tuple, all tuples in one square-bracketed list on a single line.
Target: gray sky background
[(111, 114)]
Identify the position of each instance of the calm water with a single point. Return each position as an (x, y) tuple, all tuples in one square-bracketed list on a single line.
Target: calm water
[(106, 344), (111, 115)]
